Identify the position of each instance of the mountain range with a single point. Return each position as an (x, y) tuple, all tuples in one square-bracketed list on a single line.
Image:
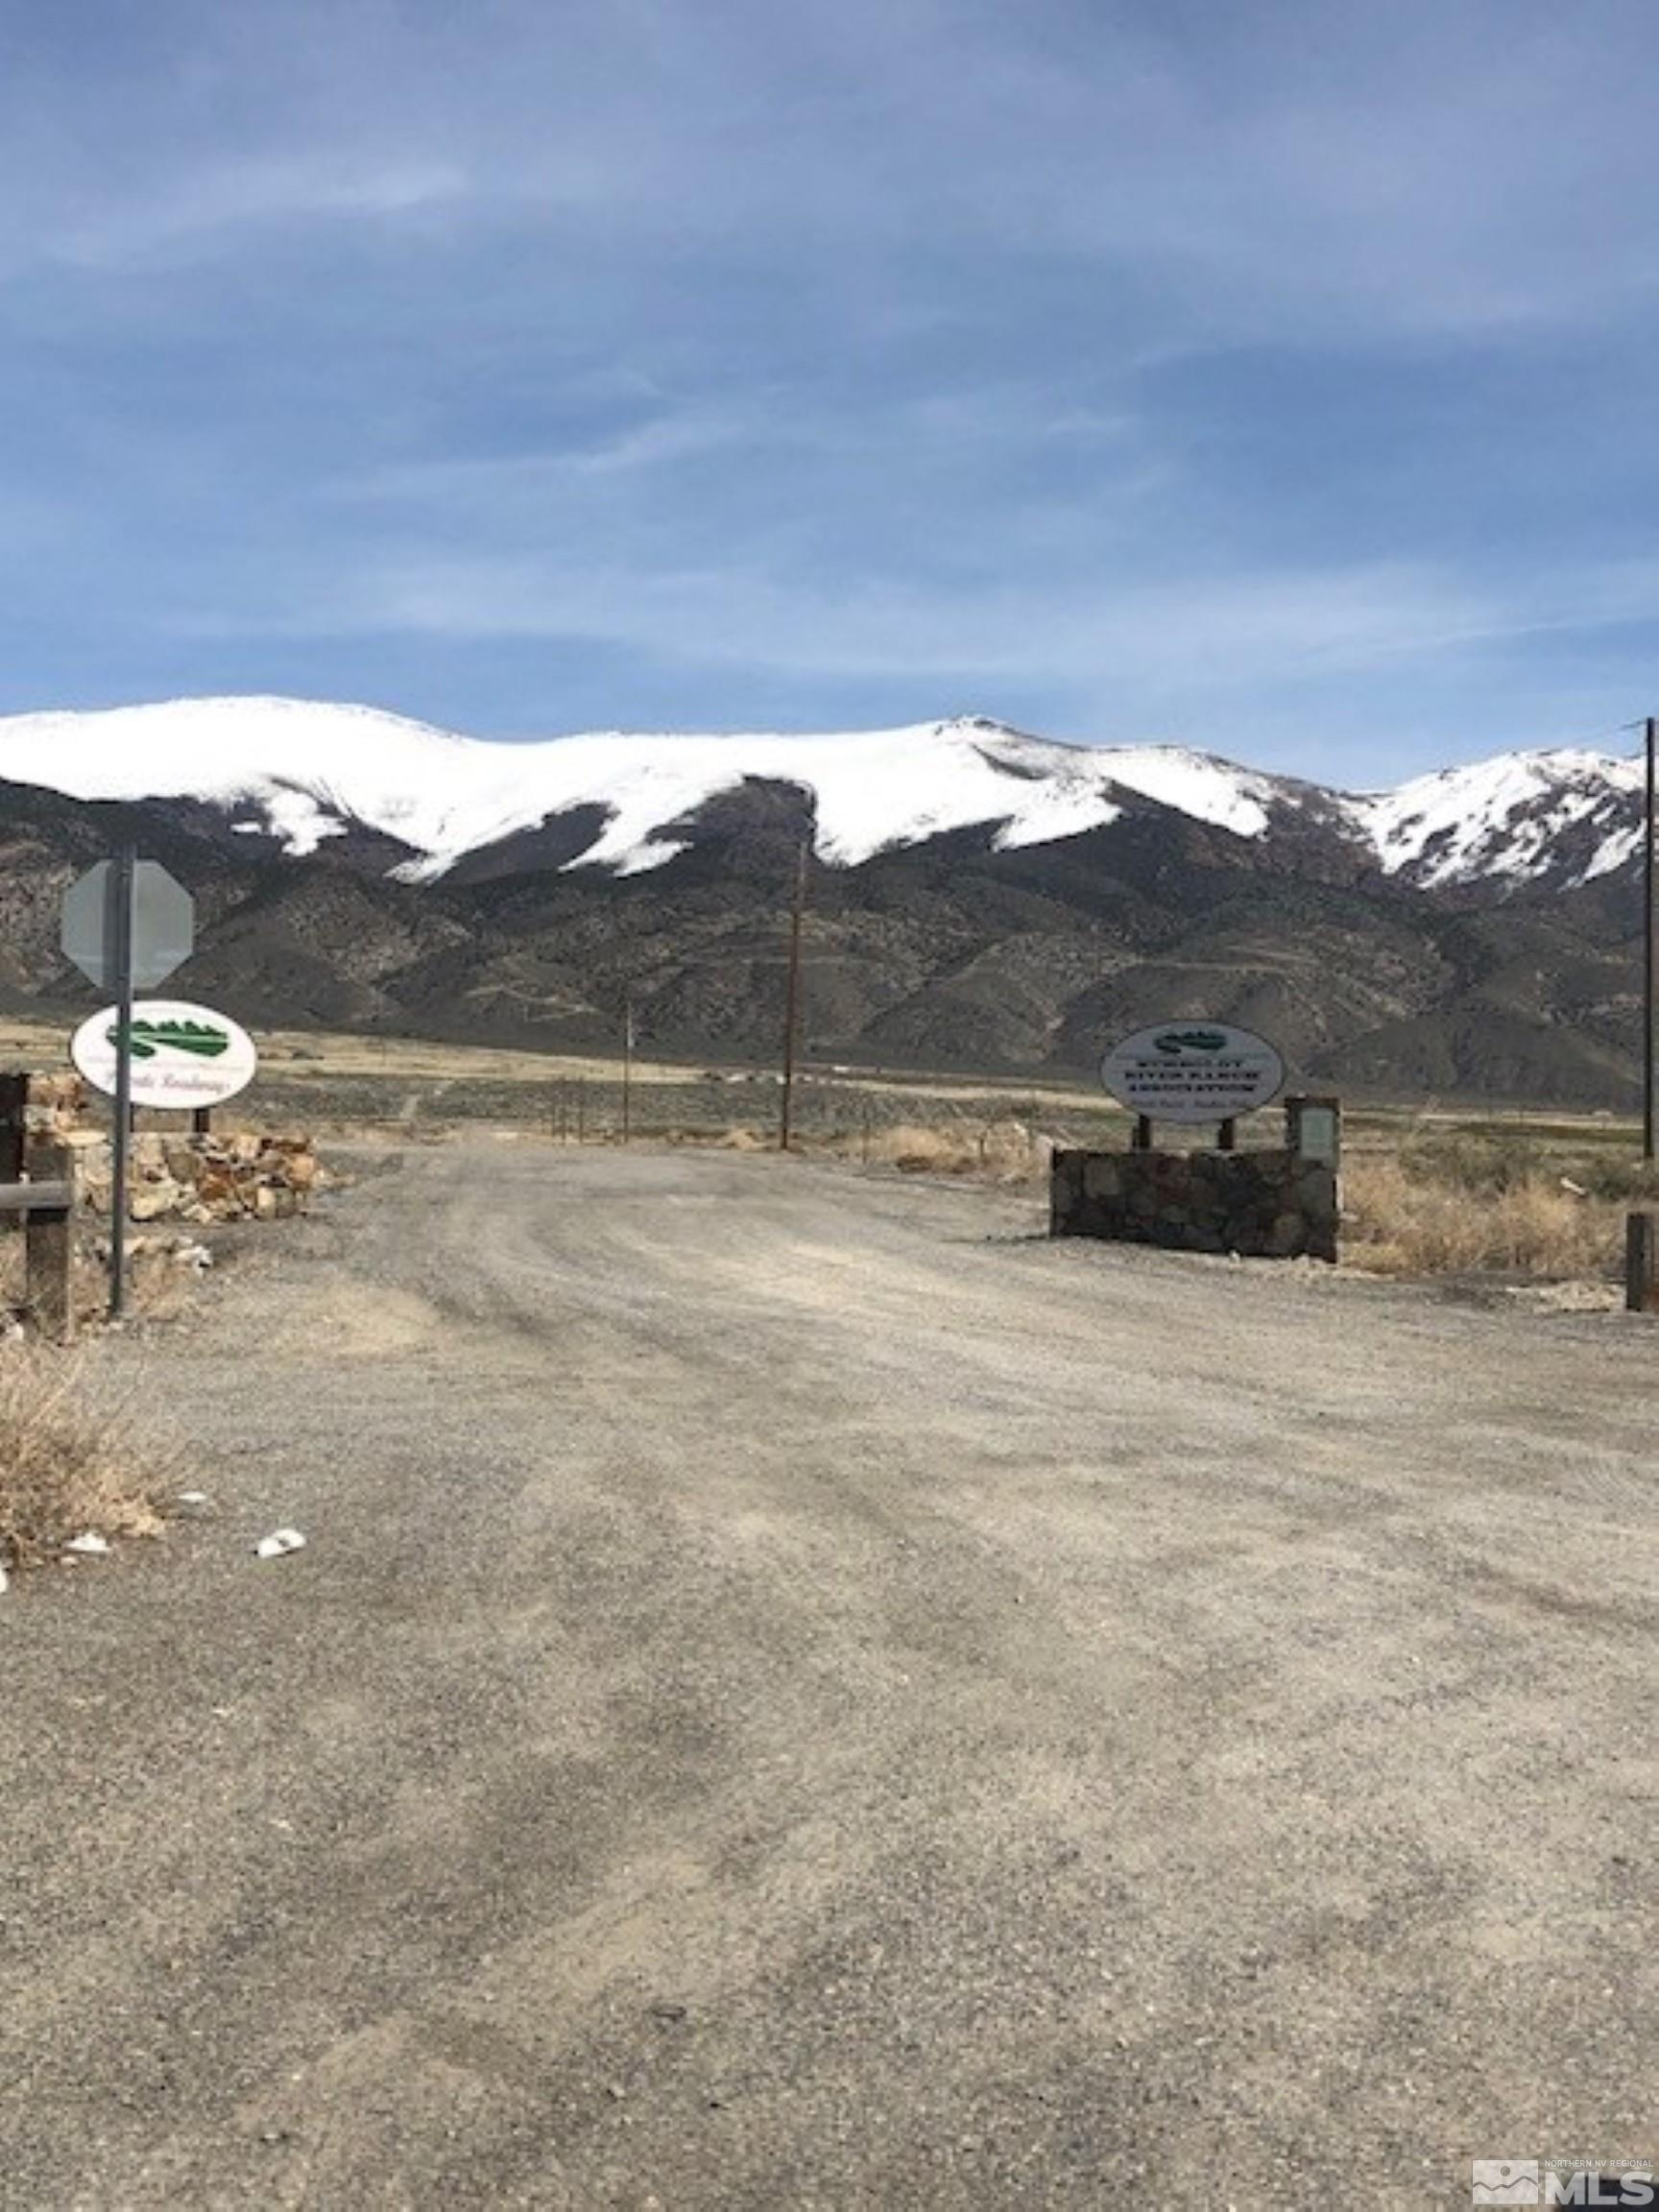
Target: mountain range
[(983, 898)]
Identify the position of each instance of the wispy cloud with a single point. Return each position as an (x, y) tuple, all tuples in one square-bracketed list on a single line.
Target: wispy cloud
[(1207, 635), (1115, 354), (210, 213)]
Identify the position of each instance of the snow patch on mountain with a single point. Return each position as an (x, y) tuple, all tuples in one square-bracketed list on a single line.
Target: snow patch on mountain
[(302, 770), (1505, 818), (305, 772), (1198, 784)]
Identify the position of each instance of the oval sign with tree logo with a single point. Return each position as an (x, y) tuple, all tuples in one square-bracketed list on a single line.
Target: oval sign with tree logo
[(1193, 1072), (184, 1056)]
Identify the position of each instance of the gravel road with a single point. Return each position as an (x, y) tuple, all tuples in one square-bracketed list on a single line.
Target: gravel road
[(803, 1693)]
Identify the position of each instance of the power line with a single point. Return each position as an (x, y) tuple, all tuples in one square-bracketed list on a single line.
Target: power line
[(1591, 738)]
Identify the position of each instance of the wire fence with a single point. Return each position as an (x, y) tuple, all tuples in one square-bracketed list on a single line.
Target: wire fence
[(870, 1119)]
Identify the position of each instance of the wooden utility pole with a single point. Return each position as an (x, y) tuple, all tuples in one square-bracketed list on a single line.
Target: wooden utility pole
[(792, 994), (627, 1065), (1649, 1034)]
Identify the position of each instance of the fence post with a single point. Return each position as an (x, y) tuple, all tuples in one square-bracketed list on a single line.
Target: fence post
[(1641, 1263), (13, 1096), (49, 1247)]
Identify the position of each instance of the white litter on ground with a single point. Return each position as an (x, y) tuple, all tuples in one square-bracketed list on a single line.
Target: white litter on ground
[(89, 1546), (279, 1542), (1568, 1297)]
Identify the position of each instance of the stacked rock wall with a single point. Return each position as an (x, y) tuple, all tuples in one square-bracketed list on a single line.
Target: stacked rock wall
[(175, 1175), (206, 1178), (36, 1110), (1264, 1205)]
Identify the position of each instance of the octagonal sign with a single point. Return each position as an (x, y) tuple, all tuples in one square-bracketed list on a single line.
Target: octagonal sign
[(163, 924)]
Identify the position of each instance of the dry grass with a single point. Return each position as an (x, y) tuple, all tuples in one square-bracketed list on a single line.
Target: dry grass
[(157, 1287), (66, 1467), (1002, 1151), (1405, 1217)]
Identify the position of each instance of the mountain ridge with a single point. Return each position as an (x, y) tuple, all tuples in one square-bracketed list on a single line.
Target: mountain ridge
[(1008, 904), (305, 771)]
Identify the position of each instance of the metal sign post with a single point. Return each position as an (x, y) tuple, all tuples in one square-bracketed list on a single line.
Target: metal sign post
[(119, 936), (1649, 1033), (127, 925)]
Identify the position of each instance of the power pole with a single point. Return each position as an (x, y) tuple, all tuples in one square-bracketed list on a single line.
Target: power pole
[(627, 1064), (1649, 1033), (792, 995)]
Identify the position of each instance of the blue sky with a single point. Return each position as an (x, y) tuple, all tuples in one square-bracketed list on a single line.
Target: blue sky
[(1275, 377)]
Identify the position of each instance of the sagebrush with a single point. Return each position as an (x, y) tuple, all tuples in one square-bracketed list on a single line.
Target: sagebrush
[(1399, 1220), (67, 1461)]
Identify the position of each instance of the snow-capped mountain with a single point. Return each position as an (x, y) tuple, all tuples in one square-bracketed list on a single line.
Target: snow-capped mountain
[(1524, 817), (989, 898), (303, 773)]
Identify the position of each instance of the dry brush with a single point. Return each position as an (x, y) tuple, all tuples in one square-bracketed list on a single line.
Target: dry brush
[(68, 1463)]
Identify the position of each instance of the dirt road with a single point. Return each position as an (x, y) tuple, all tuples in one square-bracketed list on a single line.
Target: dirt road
[(801, 1693)]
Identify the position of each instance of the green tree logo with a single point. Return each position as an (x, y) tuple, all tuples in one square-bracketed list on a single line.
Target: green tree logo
[(200, 1040), (1178, 1041)]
